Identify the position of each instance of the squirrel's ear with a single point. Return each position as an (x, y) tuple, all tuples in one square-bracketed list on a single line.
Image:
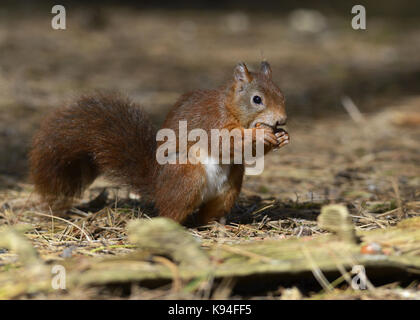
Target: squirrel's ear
[(266, 69), (241, 73)]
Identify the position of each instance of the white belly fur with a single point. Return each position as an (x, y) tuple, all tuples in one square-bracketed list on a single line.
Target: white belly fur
[(217, 178)]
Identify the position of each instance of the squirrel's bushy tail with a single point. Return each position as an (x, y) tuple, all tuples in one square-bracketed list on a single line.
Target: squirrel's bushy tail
[(100, 134)]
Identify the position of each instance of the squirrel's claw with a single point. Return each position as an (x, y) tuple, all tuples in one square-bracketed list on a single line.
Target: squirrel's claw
[(282, 139)]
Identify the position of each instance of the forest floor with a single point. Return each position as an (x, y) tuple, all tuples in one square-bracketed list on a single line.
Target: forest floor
[(367, 161)]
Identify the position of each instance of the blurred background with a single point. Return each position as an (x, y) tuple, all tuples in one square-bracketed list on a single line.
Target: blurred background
[(155, 51)]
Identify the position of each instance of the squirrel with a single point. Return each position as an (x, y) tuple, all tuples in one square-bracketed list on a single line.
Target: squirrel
[(110, 135)]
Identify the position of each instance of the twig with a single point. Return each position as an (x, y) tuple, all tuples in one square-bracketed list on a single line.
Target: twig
[(66, 221)]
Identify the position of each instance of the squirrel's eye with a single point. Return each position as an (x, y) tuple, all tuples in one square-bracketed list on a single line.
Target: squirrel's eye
[(257, 99)]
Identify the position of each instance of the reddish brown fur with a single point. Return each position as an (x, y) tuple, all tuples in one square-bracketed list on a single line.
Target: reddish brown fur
[(110, 135)]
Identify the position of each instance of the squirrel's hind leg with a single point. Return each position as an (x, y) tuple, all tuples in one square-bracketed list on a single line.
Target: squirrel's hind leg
[(180, 190), (218, 207), (223, 203)]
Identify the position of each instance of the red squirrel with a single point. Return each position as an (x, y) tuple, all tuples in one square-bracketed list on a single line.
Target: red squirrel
[(110, 135)]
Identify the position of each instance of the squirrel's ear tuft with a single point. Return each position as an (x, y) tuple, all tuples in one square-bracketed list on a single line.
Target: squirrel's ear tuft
[(266, 69), (241, 73)]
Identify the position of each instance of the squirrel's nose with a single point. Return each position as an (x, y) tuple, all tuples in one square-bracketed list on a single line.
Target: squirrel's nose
[(281, 122)]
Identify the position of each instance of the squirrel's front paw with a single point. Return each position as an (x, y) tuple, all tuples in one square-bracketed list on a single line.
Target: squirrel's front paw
[(269, 138), (282, 138)]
